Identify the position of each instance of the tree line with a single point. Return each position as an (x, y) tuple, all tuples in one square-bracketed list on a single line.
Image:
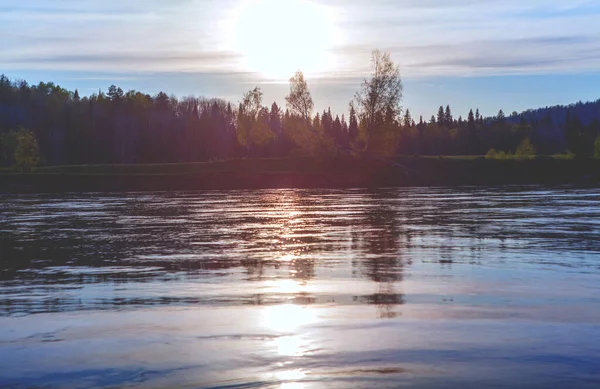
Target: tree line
[(58, 126)]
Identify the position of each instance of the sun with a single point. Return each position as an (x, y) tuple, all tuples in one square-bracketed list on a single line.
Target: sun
[(275, 38)]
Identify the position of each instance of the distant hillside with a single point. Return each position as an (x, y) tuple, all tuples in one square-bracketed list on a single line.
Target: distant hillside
[(573, 127), (586, 112)]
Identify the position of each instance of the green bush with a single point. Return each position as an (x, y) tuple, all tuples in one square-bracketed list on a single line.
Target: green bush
[(491, 154), (525, 150), (20, 149)]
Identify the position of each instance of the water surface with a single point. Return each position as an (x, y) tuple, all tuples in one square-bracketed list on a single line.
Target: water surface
[(428, 288)]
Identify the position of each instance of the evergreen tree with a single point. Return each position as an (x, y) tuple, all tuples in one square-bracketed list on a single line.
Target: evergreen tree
[(275, 118), (471, 118), (448, 120), (407, 119), (327, 123), (317, 122), (501, 118), (337, 130), (115, 94), (574, 134), (441, 117)]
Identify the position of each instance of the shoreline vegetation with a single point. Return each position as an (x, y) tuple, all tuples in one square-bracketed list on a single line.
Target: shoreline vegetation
[(302, 172), (130, 141)]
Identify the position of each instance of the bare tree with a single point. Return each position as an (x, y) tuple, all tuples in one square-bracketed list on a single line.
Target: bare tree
[(380, 96), (300, 101), (252, 102), (252, 123), (248, 113)]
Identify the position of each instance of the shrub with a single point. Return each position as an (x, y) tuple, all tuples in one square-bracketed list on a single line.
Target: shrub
[(21, 148), (525, 150), (491, 154)]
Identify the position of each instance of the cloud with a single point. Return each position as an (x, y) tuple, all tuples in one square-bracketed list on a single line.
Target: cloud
[(473, 38), (559, 54), (219, 62), (428, 38)]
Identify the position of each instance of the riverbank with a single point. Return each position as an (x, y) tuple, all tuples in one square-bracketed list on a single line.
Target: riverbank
[(304, 173)]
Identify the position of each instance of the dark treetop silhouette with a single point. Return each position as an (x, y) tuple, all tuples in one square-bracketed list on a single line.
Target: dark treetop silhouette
[(133, 127)]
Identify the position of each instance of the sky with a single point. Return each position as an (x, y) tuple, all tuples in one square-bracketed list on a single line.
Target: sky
[(493, 54)]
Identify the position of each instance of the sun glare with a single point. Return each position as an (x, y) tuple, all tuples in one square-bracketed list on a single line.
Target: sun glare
[(276, 38), (287, 318)]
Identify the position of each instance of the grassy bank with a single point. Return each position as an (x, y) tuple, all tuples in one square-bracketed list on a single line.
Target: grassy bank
[(233, 165), (305, 173)]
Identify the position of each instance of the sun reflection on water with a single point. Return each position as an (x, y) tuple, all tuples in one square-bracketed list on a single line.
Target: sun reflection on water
[(290, 320), (285, 286), (287, 318), (291, 346)]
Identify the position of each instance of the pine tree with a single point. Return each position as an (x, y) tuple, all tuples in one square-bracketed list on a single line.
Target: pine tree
[(316, 121), (407, 119), (441, 117), (448, 120), (114, 93), (471, 123), (327, 122), (275, 118), (432, 120), (477, 115), (501, 116), (337, 129)]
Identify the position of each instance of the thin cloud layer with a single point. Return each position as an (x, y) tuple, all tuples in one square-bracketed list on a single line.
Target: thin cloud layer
[(428, 38)]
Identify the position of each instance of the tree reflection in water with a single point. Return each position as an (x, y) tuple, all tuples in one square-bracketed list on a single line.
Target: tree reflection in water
[(380, 242)]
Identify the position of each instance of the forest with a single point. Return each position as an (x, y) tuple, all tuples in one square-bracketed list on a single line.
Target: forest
[(50, 125)]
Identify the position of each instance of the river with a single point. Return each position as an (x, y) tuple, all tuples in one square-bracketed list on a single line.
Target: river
[(297, 289)]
